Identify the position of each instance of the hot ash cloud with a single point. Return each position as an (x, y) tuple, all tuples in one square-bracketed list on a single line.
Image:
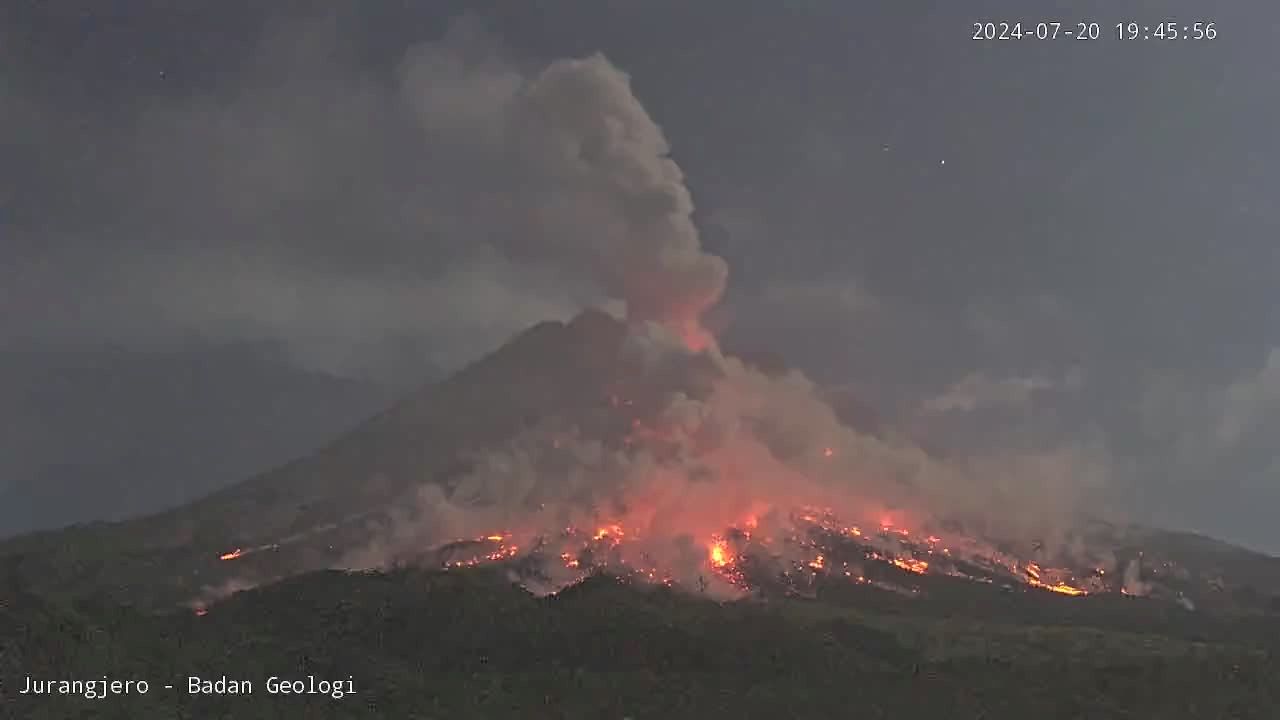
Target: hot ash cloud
[(689, 483)]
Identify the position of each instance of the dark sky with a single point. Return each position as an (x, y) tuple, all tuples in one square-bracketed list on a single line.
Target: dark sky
[(1068, 245)]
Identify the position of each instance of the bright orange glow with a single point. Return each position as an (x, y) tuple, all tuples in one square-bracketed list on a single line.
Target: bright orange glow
[(918, 567), (829, 544), (613, 532), (720, 556), (1033, 573), (695, 337)]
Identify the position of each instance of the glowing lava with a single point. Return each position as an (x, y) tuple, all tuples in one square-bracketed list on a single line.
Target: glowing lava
[(719, 554), (613, 532), (1033, 573), (918, 567), (815, 546), (827, 549)]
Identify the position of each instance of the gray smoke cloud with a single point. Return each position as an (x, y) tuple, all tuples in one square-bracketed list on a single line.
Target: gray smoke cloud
[(579, 121), (1211, 447), (443, 205)]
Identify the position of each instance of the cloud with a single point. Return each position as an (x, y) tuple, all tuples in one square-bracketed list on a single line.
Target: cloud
[(451, 201), (1204, 422), (1207, 458), (1244, 405), (979, 391)]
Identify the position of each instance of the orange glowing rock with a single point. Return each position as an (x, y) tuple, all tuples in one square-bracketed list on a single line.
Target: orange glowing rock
[(918, 567), (231, 555), (609, 531), (720, 556)]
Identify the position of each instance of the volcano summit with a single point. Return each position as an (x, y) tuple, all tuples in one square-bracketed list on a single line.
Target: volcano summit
[(600, 445)]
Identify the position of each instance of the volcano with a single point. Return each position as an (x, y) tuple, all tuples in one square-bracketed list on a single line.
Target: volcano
[(598, 446)]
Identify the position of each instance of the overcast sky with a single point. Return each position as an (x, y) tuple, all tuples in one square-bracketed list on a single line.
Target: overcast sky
[(1061, 243)]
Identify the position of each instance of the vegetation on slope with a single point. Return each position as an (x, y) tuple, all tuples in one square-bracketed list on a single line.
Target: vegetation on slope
[(469, 644)]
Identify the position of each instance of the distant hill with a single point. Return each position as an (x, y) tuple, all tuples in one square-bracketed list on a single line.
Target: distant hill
[(110, 434)]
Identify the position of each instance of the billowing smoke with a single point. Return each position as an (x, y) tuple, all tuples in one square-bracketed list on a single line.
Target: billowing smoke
[(691, 463), (373, 220), (578, 121), (582, 181), (1133, 582)]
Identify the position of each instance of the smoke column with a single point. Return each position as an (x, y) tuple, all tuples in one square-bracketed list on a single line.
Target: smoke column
[(619, 206)]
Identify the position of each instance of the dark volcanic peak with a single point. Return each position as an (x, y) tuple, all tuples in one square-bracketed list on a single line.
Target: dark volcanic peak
[(597, 446)]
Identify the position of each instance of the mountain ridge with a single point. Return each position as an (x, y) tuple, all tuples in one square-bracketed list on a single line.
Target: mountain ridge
[(310, 511)]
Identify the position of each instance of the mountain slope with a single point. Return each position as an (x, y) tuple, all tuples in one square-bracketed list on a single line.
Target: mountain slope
[(428, 437), (469, 644), (311, 513)]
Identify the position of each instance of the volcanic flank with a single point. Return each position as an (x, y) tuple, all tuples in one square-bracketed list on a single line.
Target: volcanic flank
[(597, 445)]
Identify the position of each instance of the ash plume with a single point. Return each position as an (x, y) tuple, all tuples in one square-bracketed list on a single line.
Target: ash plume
[(372, 221), (579, 121), (551, 189)]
